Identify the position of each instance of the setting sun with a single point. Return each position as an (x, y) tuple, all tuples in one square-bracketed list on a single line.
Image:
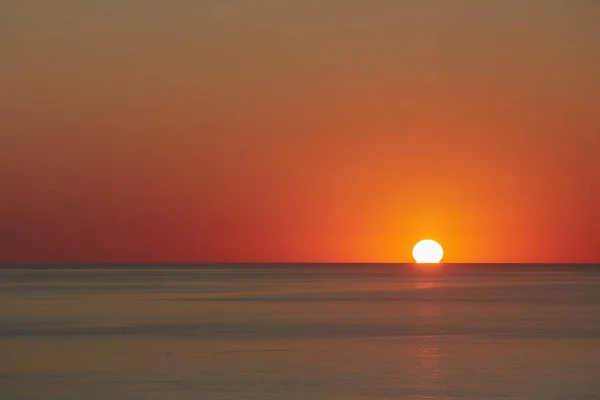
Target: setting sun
[(428, 251)]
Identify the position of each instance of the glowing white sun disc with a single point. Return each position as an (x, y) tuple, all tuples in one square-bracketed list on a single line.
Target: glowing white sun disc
[(428, 251)]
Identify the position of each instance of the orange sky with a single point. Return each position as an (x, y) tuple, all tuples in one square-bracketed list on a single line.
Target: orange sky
[(299, 131)]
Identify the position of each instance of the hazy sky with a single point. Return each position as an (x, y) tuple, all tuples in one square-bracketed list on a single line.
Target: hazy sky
[(313, 130)]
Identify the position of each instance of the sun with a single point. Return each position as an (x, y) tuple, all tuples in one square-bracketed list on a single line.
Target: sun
[(428, 251)]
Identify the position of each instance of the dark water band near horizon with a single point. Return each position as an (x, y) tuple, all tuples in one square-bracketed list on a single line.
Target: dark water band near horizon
[(300, 331)]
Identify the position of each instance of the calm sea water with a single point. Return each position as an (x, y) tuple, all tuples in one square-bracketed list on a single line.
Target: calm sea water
[(300, 332)]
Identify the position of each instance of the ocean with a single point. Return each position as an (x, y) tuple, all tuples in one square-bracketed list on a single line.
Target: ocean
[(343, 331)]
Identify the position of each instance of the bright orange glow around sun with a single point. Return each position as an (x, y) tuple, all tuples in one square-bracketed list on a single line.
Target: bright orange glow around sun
[(428, 252)]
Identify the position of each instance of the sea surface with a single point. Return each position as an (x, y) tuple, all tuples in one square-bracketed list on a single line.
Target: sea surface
[(357, 331)]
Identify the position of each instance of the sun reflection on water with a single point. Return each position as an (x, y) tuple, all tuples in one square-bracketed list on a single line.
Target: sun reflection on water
[(429, 369), (427, 285)]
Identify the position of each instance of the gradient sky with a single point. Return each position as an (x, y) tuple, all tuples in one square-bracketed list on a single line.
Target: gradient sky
[(313, 130)]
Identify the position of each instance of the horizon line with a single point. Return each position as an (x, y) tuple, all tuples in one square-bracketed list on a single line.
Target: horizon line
[(280, 263)]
